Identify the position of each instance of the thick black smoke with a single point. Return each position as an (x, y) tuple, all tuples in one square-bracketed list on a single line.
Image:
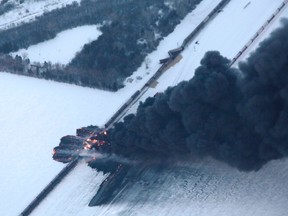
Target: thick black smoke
[(239, 117), (265, 90)]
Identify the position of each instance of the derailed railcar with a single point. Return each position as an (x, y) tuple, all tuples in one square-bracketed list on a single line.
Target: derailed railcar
[(62, 154), (174, 52), (86, 131), (99, 141), (71, 142), (164, 60)]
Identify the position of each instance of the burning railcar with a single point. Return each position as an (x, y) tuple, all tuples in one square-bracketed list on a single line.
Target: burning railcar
[(88, 140), (87, 131), (99, 141), (71, 142)]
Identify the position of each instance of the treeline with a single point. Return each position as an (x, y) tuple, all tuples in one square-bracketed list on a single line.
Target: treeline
[(131, 29), (57, 72), (6, 6)]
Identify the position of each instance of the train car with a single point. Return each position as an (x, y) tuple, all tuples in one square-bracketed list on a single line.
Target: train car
[(99, 141), (63, 155), (164, 60), (174, 52), (135, 94), (71, 140), (86, 131), (121, 109)]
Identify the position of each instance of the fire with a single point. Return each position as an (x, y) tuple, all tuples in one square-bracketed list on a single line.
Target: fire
[(97, 140), (87, 146), (94, 141)]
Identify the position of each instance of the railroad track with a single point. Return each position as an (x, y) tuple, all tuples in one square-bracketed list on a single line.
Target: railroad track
[(259, 32), (44, 193)]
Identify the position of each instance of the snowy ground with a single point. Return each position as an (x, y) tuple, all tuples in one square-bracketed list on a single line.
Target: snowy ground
[(63, 47), (198, 189), (201, 189), (206, 188), (34, 115), (29, 10)]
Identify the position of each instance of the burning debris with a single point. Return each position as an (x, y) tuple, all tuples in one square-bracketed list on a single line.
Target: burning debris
[(86, 131), (68, 149), (91, 144), (99, 141)]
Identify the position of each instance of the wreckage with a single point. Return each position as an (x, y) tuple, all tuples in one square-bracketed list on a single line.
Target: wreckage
[(93, 145)]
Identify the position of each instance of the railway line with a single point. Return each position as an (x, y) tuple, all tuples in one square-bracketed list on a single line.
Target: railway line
[(259, 32), (41, 196), (173, 54)]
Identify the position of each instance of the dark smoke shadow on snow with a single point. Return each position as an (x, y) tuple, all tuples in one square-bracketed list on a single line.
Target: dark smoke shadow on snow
[(240, 120)]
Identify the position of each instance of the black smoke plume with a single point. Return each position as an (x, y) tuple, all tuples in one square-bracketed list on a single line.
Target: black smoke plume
[(237, 116)]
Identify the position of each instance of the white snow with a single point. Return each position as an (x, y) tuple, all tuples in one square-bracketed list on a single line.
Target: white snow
[(29, 10), (34, 114), (63, 47), (198, 189), (75, 184)]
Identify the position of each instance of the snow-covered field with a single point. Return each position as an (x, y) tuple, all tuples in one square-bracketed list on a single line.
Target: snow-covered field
[(63, 47), (36, 113), (29, 10), (199, 189)]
